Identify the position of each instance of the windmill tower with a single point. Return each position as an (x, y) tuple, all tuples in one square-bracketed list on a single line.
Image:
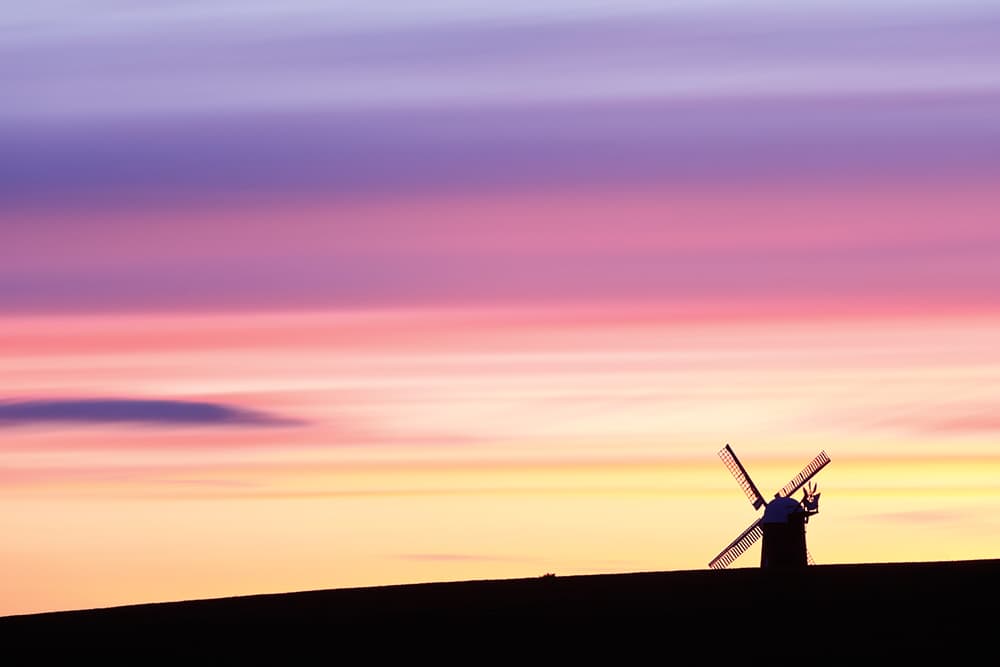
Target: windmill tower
[(783, 524)]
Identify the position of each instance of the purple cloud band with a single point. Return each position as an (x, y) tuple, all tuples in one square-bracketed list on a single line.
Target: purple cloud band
[(291, 109), (132, 411), (398, 151)]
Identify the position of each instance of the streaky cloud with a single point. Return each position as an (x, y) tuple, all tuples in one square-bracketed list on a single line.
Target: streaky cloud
[(967, 423), (972, 420), (920, 517), (455, 557), (134, 411)]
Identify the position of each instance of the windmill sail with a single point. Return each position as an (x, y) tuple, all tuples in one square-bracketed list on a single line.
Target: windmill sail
[(728, 457), (814, 467), (738, 546)]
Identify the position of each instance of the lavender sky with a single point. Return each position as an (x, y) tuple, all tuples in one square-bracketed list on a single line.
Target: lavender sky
[(414, 264), (190, 108)]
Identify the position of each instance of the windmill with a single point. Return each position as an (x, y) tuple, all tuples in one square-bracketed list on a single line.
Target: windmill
[(783, 524)]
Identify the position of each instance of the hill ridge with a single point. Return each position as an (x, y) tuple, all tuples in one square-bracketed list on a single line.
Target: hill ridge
[(889, 606)]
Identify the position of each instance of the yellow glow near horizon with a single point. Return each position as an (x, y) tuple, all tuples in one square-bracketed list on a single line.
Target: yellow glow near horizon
[(444, 445)]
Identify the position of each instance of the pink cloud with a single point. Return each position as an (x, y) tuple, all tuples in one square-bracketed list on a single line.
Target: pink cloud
[(866, 247), (956, 420)]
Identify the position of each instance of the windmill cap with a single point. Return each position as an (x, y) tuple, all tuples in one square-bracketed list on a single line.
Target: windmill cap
[(779, 509)]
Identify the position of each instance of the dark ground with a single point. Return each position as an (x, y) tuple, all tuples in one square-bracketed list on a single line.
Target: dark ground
[(830, 614)]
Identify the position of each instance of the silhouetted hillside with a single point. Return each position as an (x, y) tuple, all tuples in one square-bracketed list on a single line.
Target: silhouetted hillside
[(849, 611)]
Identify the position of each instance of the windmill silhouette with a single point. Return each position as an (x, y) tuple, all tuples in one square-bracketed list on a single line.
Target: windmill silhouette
[(783, 524)]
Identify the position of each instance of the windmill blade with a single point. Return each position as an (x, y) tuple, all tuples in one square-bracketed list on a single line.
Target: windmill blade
[(807, 473), (738, 546), (728, 457)]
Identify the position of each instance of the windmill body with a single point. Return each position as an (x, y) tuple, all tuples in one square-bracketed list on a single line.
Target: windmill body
[(784, 533), (783, 524)]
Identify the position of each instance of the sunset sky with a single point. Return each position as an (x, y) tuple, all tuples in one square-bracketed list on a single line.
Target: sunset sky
[(309, 295)]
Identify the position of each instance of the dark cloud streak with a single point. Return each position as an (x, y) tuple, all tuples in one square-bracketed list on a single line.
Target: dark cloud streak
[(405, 151), (149, 412)]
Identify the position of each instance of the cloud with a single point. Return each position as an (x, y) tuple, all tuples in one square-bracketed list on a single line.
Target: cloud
[(957, 421), (132, 411), (920, 517), (451, 557), (965, 423), (159, 67)]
